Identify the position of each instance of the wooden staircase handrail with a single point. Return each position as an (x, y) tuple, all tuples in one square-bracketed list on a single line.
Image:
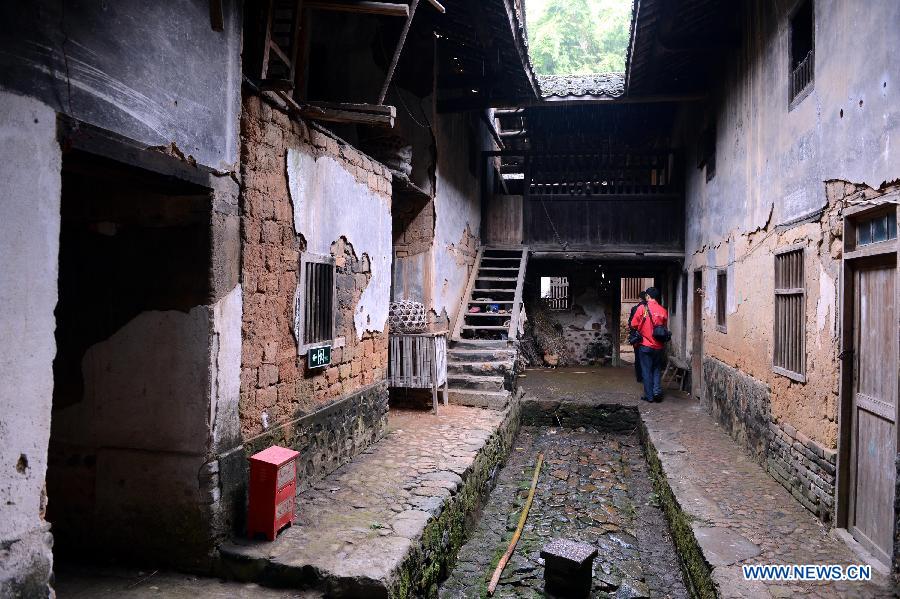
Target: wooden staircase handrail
[(517, 298), (467, 294)]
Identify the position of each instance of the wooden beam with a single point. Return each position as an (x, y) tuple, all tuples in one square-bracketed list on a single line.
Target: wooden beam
[(367, 7), (397, 51), (438, 6), (333, 112)]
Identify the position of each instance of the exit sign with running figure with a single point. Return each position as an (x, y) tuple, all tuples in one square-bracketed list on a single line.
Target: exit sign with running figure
[(317, 357)]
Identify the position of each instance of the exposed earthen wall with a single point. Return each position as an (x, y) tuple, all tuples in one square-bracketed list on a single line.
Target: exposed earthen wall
[(274, 379)]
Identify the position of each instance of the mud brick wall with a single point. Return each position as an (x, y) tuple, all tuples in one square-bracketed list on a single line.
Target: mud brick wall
[(274, 379), (803, 467)]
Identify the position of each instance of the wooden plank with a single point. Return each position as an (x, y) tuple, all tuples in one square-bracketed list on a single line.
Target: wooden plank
[(467, 295), (379, 109), (396, 58), (391, 9)]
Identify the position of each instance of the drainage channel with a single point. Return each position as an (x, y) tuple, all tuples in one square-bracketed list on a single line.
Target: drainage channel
[(595, 488)]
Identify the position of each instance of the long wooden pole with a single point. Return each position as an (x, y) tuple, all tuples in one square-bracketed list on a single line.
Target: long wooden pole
[(515, 539)]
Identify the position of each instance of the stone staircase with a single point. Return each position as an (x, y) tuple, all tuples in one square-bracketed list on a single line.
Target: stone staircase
[(482, 354)]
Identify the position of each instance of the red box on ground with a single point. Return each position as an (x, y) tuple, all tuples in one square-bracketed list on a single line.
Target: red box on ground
[(273, 485)]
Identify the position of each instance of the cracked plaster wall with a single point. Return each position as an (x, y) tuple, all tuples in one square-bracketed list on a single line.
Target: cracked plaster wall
[(772, 165), (29, 230)]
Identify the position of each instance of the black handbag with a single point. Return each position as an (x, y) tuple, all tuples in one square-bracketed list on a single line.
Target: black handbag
[(660, 331), (634, 337)]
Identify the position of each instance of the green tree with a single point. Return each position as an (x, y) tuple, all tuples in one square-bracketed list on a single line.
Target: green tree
[(580, 36)]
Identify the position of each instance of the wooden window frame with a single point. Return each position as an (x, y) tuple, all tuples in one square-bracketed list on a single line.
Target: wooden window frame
[(722, 300), (301, 307), (799, 377)]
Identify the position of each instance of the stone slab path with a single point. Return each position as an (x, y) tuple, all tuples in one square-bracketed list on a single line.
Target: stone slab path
[(738, 513), (593, 488), (356, 527)]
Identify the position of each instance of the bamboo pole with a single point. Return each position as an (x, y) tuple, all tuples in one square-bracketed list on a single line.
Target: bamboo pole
[(515, 539)]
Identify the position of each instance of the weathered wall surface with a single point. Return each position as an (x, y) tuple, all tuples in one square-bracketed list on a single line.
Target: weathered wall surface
[(132, 68), (771, 167), (457, 207), (306, 191), (29, 231)]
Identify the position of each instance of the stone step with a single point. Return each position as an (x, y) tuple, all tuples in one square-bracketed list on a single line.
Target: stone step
[(479, 344), (479, 368), (462, 354), (475, 382), (479, 399)]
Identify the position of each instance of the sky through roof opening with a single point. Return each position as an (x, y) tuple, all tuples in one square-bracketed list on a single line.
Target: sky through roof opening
[(568, 37)]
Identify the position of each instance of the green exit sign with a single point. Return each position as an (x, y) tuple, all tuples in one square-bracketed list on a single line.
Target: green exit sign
[(318, 357)]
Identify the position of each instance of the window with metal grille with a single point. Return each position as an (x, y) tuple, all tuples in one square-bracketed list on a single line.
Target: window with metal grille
[(877, 229), (721, 300), (789, 358), (314, 324), (802, 34), (555, 292)]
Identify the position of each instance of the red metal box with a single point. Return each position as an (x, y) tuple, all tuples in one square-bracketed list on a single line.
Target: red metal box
[(273, 484)]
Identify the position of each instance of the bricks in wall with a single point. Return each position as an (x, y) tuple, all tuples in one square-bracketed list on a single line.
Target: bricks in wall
[(274, 379)]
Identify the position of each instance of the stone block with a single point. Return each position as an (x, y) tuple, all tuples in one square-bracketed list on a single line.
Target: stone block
[(568, 567)]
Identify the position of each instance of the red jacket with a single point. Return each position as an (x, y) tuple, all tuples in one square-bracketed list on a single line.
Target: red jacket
[(643, 324)]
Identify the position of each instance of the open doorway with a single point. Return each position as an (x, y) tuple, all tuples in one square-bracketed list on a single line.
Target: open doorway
[(631, 289), (131, 375)]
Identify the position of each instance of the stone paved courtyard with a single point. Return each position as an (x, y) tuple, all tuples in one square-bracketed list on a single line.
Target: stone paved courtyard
[(362, 529), (593, 488)]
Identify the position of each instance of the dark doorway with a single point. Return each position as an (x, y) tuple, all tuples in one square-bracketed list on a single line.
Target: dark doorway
[(131, 374)]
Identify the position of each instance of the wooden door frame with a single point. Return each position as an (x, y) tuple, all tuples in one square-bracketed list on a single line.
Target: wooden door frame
[(697, 322), (852, 258)]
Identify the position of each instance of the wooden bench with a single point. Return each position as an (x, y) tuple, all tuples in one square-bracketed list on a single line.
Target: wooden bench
[(676, 371)]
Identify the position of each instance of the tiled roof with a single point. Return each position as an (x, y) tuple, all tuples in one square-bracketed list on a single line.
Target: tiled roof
[(610, 85)]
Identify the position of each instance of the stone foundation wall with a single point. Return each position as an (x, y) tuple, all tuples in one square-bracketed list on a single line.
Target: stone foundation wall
[(740, 403), (803, 467), (326, 439)]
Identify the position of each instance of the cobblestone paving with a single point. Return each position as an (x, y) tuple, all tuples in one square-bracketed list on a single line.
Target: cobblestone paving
[(593, 488), (362, 520), (718, 485)]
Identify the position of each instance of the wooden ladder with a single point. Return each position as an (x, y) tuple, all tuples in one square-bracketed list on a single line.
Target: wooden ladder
[(492, 303)]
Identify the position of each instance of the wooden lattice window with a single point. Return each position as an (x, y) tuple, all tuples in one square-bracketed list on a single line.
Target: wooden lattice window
[(555, 292), (789, 358), (721, 300), (314, 324), (803, 55)]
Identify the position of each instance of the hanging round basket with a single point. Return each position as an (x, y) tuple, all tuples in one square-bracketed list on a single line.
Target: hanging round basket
[(407, 316)]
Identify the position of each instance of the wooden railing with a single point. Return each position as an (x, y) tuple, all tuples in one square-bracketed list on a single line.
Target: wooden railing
[(802, 75)]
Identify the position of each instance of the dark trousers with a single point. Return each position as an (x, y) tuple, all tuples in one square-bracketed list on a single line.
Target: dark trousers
[(637, 364), (651, 370)]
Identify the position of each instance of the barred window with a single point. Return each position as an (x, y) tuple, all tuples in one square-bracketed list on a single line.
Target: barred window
[(555, 292), (314, 313), (721, 300), (790, 315)]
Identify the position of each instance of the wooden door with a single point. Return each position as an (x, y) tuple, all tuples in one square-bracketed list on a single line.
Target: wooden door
[(697, 336), (873, 395)]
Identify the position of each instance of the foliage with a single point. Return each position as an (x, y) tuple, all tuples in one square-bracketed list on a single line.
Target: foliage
[(578, 36)]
